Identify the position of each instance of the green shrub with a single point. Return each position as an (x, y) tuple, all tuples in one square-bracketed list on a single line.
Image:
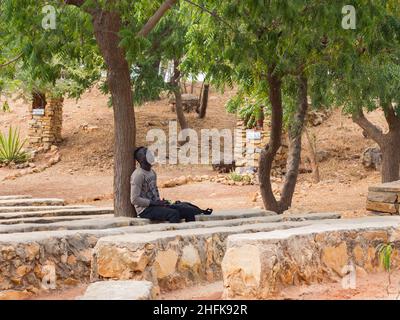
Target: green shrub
[(238, 177), (11, 147), (385, 251), (6, 107)]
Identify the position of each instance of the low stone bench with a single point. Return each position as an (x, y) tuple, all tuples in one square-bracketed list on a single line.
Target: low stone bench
[(23, 256), (120, 290), (258, 265), (173, 259), (109, 221)]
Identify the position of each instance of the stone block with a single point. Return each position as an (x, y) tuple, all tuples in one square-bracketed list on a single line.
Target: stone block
[(120, 290)]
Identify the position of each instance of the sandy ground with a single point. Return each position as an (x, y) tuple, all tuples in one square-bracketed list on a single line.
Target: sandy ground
[(368, 287), (371, 286), (85, 171)]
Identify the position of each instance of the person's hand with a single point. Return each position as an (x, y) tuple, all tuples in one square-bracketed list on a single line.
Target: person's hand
[(158, 203)]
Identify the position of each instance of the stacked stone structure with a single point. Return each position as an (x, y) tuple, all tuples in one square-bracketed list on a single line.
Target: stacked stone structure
[(249, 144), (45, 124)]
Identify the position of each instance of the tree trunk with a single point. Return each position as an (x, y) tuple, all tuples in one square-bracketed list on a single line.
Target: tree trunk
[(388, 143), (391, 157), (295, 133), (204, 101), (38, 100), (106, 28), (178, 97), (268, 153), (312, 157), (192, 87)]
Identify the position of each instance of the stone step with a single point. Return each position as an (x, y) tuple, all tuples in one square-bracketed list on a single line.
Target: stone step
[(15, 197), (84, 224), (258, 265), (108, 221), (41, 208), (235, 214), (58, 213), (43, 220), (32, 202), (120, 290)]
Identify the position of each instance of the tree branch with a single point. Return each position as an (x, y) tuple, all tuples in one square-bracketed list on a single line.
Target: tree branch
[(151, 23), (391, 118), (213, 14), (77, 3), (372, 130), (11, 61)]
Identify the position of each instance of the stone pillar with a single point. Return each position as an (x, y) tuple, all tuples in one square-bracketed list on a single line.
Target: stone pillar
[(248, 146), (45, 124)]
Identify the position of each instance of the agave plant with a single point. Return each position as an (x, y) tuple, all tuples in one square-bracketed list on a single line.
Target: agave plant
[(11, 147)]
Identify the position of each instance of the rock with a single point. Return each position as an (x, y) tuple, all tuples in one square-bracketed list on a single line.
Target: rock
[(55, 159), (322, 155), (242, 265), (165, 263), (335, 257), (23, 270), (15, 295), (120, 290), (372, 158), (168, 184), (181, 180), (190, 258), (120, 262), (92, 128)]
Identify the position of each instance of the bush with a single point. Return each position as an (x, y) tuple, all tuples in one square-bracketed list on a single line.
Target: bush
[(11, 147), (6, 107), (238, 177)]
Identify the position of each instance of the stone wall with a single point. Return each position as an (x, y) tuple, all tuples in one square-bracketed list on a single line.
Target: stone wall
[(258, 265), (170, 259), (45, 130), (24, 264)]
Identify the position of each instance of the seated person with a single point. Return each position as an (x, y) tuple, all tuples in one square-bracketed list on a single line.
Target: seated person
[(146, 198)]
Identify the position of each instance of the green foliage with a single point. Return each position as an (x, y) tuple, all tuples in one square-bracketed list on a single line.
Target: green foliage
[(238, 177), (11, 147), (385, 251), (6, 107), (63, 61)]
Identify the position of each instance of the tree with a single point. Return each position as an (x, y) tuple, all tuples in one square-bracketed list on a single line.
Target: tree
[(167, 45), (366, 73), (114, 28), (259, 46)]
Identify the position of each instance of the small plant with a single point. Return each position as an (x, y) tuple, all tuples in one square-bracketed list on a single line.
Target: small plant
[(6, 107), (239, 178), (385, 251), (235, 177), (11, 147)]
